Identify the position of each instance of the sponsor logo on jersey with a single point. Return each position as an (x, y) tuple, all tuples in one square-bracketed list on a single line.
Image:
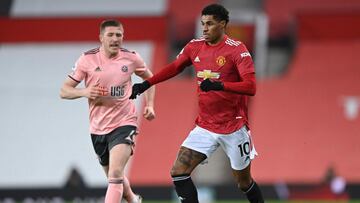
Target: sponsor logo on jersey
[(220, 60), (124, 69), (196, 59), (245, 54), (117, 91), (205, 74)]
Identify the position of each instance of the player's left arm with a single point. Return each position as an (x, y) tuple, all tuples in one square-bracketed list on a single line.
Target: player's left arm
[(245, 67), (247, 86), (149, 112)]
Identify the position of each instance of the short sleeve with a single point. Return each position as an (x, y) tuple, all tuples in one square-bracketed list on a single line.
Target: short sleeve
[(78, 71), (243, 60), (139, 64)]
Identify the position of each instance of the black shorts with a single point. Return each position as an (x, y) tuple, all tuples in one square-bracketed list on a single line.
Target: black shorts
[(104, 143)]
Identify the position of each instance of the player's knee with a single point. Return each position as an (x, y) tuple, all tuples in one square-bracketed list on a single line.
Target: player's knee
[(115, 173)]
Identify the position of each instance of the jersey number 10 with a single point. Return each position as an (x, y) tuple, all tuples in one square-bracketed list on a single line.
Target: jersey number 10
[(244, 148)]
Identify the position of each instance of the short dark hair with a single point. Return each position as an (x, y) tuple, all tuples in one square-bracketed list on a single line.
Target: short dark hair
[(109, 23), (218, 11)]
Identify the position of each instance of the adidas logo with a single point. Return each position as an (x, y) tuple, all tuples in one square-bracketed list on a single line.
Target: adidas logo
[(197, 59), (97, 69)]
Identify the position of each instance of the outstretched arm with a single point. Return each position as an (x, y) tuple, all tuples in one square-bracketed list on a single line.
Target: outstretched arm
[(170, 70), (166, 73)]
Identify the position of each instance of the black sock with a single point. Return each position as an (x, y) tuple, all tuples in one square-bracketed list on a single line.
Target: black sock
[(185, 189), (253, 193)]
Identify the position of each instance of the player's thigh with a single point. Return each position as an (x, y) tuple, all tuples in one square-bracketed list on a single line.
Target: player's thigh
[(119, 155), (199, 145), (201, 140), (238, 148), (120, 143), (101, 149), (187, 159)]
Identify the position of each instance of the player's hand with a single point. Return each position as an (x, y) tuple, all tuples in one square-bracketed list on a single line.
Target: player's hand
[(139, 88), (95, 91), (149, 113), (207, 85)]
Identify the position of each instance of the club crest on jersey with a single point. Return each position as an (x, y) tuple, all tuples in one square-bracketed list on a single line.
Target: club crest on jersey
[(124, 69), (205, 74), (220, 61)]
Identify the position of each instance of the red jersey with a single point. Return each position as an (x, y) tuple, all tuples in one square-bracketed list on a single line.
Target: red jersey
[(229, 62)]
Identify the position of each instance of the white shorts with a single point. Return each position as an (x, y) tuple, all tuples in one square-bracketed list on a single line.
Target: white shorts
[(237, 145)]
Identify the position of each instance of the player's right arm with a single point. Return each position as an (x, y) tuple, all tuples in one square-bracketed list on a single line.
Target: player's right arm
[(174, 68), (70, 91)]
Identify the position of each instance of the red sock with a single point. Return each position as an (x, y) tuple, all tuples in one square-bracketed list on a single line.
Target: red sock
[(114, 191)]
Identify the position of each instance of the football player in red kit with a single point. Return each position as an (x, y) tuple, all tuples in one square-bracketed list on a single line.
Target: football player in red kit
[(226, 77)]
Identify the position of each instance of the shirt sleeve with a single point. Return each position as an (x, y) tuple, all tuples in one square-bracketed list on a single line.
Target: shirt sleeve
[(247, 86), (78, 71), (185, 53), (177, 66), (243, 61), (140, 65), (246, 69)]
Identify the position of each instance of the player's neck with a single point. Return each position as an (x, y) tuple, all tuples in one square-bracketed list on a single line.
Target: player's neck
[(217, 41), (107, 53)]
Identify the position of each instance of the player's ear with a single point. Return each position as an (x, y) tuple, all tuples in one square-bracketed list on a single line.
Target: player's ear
[(101, 37), (223, 24)]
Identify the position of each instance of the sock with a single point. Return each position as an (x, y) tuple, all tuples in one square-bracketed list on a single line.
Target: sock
[(128, 193), (185, 189), (114, 191), (253, 193)]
